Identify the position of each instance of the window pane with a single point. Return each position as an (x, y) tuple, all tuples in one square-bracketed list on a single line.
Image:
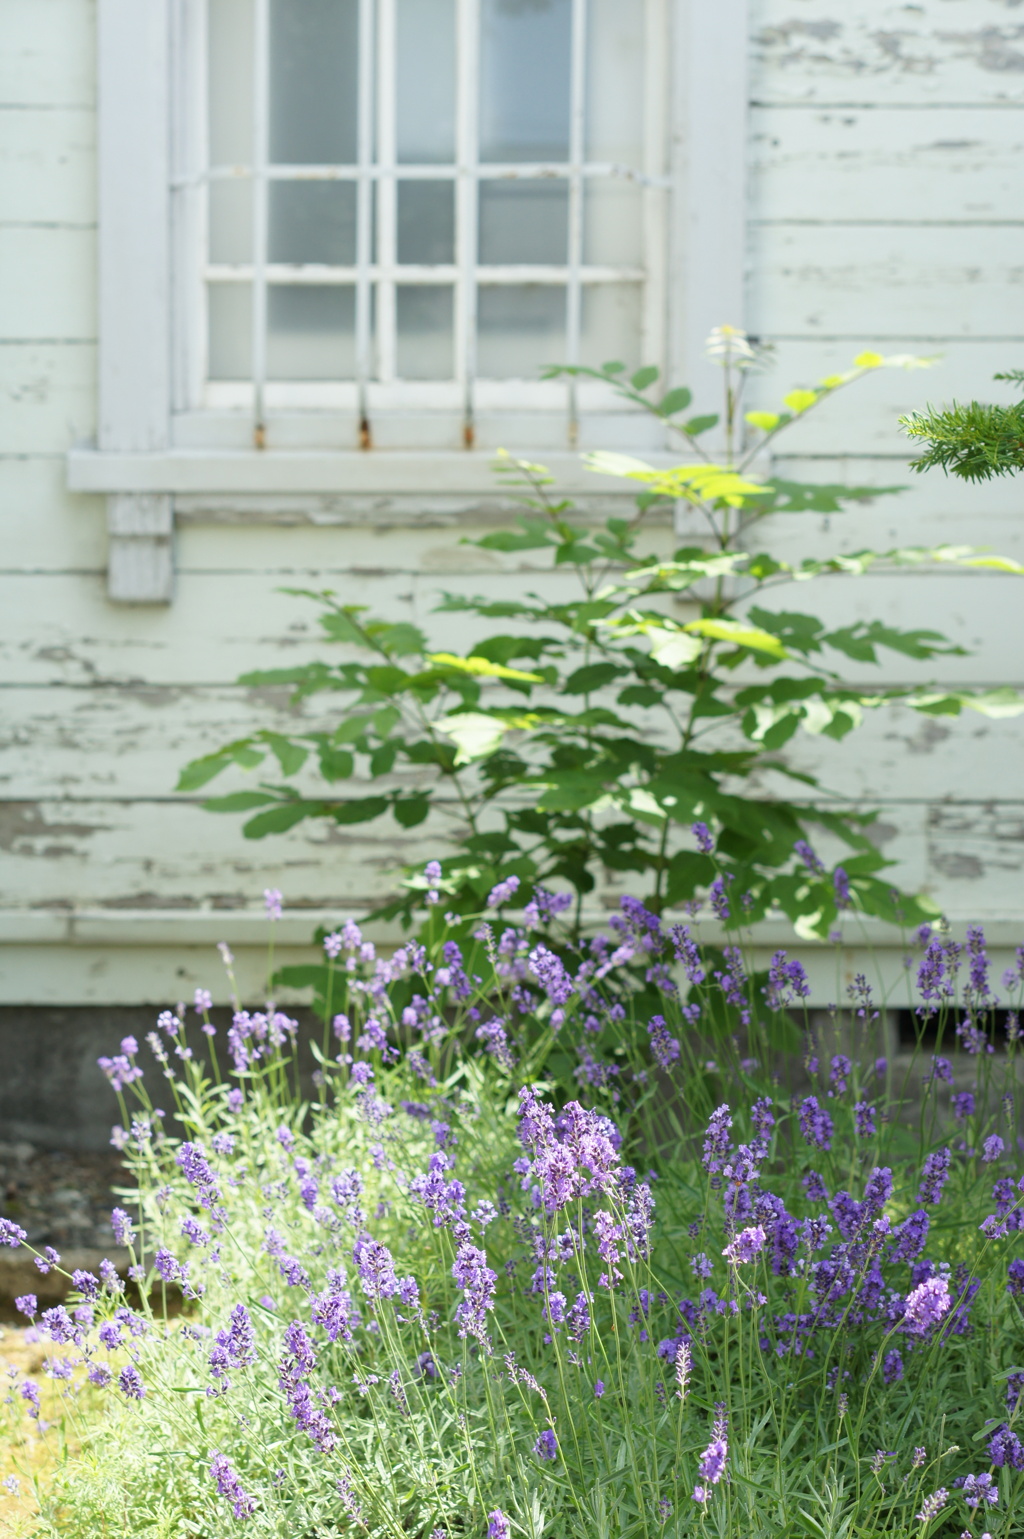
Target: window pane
[(229, 94), (615, 81), (613, 225), (611, 326), (524, 222), (314, 77), (313, 222), (425, 70), (425, 332), (426, 222), (520, 329), (311, 332), (524, 79), (230, 322), (231, 221)]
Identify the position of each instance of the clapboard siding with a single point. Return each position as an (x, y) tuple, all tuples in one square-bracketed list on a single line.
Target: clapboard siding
[(885, 207), (886, 52), (940, 166)]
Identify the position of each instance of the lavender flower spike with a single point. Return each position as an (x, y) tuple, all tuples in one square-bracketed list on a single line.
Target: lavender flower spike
[(497, 1525), (747, 1244), (927, 1304)]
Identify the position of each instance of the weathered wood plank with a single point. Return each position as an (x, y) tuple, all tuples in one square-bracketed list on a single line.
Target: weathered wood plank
[(48, 165), (885, 51), (128, 744), (892, 281), (824, 164), (43, 527), (49, 53), (47, 284), (47, 396)]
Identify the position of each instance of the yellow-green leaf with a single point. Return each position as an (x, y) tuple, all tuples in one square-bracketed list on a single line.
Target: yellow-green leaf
[(480, 667), (739, 635), (673, 648), (799, 400), (474, 734), (767, 421), (869, 361)]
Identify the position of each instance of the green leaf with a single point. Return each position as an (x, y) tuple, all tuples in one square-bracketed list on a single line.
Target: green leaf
[(480, 667), (738, 635), (698, 425), (382, 760), (362, 811), (335, 763), (676, 400), (200, 771), (291, 756), (411, 811), (532, 535), (387, 680), (279, 819), (644, 377), (798, 631), (595, 676), (401, 640), (351, 728), (340, 626), (239, 801)]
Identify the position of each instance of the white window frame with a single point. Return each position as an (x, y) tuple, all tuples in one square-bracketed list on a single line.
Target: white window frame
[(154, 447)]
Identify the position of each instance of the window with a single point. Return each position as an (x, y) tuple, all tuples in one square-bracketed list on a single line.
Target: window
[(411, 206), (333, 226)]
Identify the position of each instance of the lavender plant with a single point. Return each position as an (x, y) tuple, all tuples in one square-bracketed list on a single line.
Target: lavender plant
[(589, 735), (436, 1301)]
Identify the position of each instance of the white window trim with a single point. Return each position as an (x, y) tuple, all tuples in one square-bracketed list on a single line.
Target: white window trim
[(136, 461)]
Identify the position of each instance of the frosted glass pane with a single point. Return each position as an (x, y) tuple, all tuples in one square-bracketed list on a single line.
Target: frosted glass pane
[(425, 74), (520, 329), (425, 349), (525, 50), (426, 222), (524, 222), (615, 81), (229, 94), (230, 330), (612, 224), (314, 77), (313, 222), (611, 324), (311, 332), (231, 222)]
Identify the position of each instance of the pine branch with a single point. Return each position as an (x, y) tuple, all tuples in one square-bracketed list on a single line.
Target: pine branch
[(973, 441)]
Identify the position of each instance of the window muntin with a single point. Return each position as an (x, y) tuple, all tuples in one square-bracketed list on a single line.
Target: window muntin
[(400, 195)]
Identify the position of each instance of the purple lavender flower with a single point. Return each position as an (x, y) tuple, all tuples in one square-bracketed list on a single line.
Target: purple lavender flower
[(497, 1525), (866, 1119), (1006, 1449), (503, 893), (933, 1505), (272, 902), (892, 1368), (787, 982), (911, 1236), (927, 1304), (1015, 1279), (702, 834), (230, 1486), (719, 899), (993, 1149), (711, 1468), (121, 1224), (664, 1047), (29, 1392), (477, 1280), (815, 1124), (546, 1446), (809, 858), (962, 1104), (130, 1383), (840, 1069), (841, 887), (979, 1489), (746, 1246), (550, 973), (27, 1305), (934, 1177), (717, 1141)]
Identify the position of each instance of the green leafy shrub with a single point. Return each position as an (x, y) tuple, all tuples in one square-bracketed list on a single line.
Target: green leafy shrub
[(595, 728)]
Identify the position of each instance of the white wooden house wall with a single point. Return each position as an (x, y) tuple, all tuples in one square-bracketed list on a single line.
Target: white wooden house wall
[(885, 206)]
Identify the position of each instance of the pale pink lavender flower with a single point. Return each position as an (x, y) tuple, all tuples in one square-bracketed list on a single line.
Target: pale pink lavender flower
[(272, 902), (684, 1365)]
